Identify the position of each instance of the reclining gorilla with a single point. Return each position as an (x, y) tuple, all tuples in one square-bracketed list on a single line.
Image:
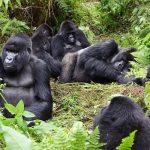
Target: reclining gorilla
[(26, 78), (118, 120), (68, 39), (41, 45), (97, 63)]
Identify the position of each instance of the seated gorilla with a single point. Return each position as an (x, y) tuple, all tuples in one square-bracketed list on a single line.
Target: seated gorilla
[(93, 64), (41, 46), (118, 120), (26, 78), (68, 39)]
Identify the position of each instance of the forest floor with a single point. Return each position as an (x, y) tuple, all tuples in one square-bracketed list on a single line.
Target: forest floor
[(82, 101)]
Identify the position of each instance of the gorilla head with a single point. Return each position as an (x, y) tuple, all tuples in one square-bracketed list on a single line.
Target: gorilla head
[(69, 39), (41, 38), (16, 52), (118, 119), (68, 30), (44, 30), (121, 60)]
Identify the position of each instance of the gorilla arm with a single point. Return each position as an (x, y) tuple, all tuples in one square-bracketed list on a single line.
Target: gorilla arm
[(82, 39), (54, 66), (42, 107), (57, 47)]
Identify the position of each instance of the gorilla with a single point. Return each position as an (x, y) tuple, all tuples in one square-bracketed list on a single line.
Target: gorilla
[(95, 63), (121, 60), (118, 120), (41, 45), (26, 78), (68, 39)]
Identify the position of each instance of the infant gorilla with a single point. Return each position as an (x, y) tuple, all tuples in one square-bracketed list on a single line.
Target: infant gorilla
[(119, 119)]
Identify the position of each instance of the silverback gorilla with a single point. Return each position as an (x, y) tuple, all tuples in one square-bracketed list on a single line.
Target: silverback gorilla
[(68, 39), (26, 78), (95, 63), (41, 45), (118, 120)]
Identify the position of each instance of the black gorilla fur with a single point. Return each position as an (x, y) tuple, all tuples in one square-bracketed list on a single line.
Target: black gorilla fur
[(68, 39), (94, 63), (121, 60), (41, 45), (26, 78), (119, 119)]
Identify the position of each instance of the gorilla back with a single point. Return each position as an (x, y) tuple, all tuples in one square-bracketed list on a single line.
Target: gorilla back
[(26, 78), (119, 119)]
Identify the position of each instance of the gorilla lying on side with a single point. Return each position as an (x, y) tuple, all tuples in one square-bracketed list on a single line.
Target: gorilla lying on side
[(119, 119), (26, 78), (96, 63), (68, 39), (41, 45)]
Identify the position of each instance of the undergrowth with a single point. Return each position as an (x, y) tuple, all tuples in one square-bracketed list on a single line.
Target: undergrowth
[(75, 106)]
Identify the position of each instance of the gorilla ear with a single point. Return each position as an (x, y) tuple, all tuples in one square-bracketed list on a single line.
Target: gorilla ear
[(29, 50)]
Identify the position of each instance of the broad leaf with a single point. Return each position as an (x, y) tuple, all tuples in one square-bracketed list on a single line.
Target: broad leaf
[(14, 140)]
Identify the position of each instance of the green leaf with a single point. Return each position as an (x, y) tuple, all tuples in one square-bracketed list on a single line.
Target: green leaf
[(44, 127), (6, 27), (147, 95), (93, 140), (14, 140), (127, 142), (10, 108), (18, 2), (28, 114), (6, 3), (1, 2), (77, 125), (20, 108)]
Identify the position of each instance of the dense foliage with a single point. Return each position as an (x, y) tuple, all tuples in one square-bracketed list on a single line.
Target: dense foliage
[(128, 21)]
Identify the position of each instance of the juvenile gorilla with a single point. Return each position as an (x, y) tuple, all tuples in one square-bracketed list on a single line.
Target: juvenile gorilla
[(118, 120), (26, 78), (41, 45), (68, 39), (95, 63)]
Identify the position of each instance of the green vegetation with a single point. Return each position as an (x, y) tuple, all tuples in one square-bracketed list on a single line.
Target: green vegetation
[(75, 105), (74, 109)]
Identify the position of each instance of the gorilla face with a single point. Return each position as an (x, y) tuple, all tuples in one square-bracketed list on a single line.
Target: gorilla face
[(69, 38), (15, 53)]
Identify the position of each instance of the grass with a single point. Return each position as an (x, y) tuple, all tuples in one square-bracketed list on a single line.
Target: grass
[(82, 101)]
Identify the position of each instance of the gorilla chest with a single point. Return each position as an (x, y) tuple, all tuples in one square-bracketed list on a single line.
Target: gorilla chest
[(20, 87), (22, 79)]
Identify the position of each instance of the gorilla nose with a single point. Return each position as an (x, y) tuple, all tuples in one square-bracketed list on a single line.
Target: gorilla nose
[(9, 60)]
